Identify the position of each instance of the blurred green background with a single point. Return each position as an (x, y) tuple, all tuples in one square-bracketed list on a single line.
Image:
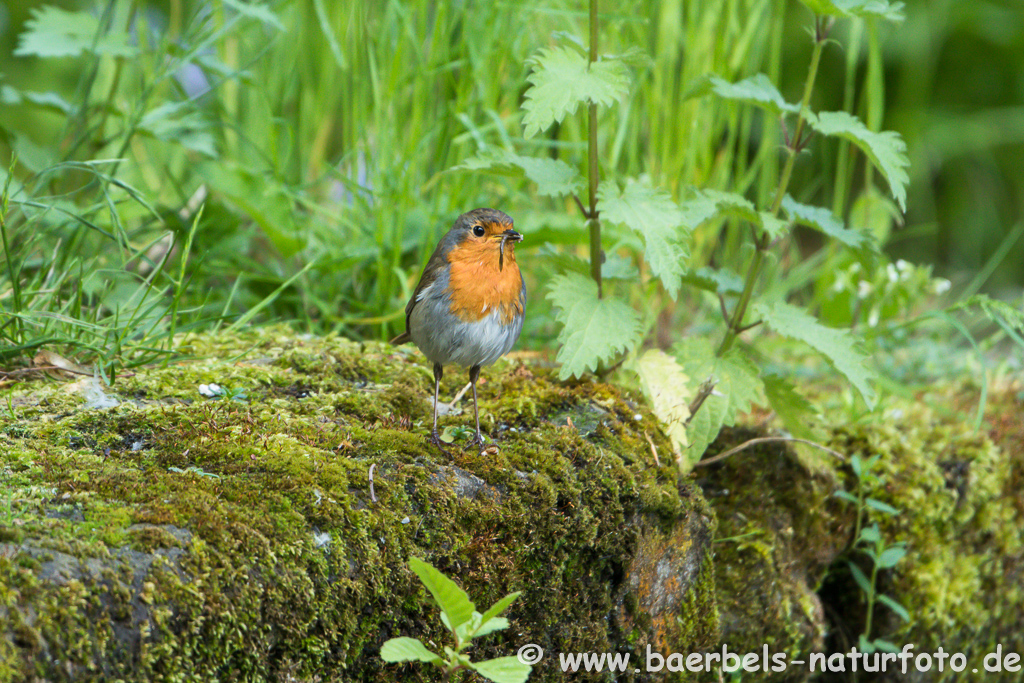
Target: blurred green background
[(318, 137)]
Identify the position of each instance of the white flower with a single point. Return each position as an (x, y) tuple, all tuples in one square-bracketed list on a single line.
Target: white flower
[(890, 271), (941, 285), (864, 288)]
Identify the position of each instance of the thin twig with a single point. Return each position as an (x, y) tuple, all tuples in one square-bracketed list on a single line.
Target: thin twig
[(721, 303), (583, 209), (705, 389), (654, 451), (458, 396), (767, 439)]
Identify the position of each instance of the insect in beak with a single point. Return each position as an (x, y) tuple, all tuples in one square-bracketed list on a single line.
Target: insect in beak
[(509, 234)]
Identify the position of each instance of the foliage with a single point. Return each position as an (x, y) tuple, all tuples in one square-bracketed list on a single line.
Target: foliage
[(868, 543), (597, 327), (196, 169), (459, 615)]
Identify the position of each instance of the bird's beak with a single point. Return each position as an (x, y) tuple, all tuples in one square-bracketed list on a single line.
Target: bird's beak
[(509, 234)]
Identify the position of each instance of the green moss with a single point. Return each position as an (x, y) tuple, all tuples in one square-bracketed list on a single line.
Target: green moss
[(188, 534)]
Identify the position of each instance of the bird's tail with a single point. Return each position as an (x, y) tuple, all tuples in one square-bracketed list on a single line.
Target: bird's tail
[(401, 339)]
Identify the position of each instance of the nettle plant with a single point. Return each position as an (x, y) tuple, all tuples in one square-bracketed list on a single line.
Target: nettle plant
[(601, 328)]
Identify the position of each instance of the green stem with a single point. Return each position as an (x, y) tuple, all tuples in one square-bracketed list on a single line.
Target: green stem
[(754, 273), (593, 172), (871, 600)]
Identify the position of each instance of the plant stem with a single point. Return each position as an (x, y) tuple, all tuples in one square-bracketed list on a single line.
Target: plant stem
[(594, 222), (793, 148)]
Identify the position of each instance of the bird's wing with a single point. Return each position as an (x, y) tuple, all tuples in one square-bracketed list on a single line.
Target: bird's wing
[(434, 267)]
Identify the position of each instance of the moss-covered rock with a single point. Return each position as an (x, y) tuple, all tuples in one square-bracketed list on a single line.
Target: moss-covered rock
[(266, 536)]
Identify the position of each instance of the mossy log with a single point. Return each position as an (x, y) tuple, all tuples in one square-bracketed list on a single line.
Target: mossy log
[(180, 537)]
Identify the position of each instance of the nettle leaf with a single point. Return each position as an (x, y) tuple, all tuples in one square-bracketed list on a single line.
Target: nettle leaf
[(708, 204), (824, 221), (178, 122), (757, 90), (738, 385), (890, 11), (452, 600), (837, 346), (795, 411), (704, 427), (562, 79), (651, 213), (553, 177), (593, 329), (666, 388), (886, 150), (406, 649), (53, 32), (503, 670), (714, 280)]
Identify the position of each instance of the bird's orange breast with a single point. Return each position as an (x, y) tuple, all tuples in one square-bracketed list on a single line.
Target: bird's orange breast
[(478, 287)]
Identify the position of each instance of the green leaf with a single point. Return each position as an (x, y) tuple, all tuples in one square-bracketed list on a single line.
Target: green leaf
[(846, 495), (701, 432), (884, 645), (880, 506), (452, 600), (855, 464), (503, 670), (738, 379), (715, 280), (860, 578), (757, 90), (53, 32), (870, 534), (499, 607), (823, 221), (836, 345), (492, 625), (795, 411), (886, 150), (891, 556), (257, 11), (592, 329), (553, 177), (651, 213), (665, 386), (738, 385), (896, 607), (177, 122), (406, 649), (890, 11), (708, 204), (563, 79)]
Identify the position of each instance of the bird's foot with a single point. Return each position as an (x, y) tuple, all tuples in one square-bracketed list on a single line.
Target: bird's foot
[(480, 442), (435, 439)]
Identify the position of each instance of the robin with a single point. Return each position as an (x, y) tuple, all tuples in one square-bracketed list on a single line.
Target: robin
[(468, 306)]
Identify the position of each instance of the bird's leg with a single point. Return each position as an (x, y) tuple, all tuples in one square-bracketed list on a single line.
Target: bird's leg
[(434, 437), (474, 375)]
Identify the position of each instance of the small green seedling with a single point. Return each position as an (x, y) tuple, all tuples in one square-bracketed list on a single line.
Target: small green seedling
[(459, 615), (868, 541)]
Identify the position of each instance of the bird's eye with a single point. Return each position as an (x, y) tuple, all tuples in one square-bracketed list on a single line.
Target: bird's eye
[(478, 230)]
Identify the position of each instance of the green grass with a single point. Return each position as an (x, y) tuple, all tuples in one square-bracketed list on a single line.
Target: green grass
[(317, 139)]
